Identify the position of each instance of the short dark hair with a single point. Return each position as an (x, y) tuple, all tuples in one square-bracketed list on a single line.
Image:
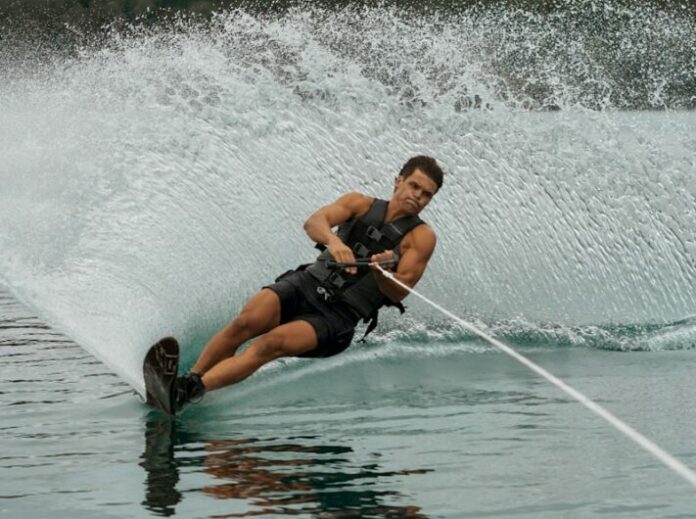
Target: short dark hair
[(427, 165)]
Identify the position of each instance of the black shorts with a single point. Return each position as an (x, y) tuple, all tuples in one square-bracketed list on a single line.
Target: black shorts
[(334, 323)]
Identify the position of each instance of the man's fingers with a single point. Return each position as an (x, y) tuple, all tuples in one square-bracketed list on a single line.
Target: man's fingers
[(342, 254), (347, 257), (352, 270), (382, 256)]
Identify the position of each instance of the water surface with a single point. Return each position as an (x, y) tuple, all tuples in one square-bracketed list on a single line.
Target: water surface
[(398, 430)]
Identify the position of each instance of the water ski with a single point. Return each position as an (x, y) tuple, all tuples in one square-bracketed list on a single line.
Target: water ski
[(159, 371)]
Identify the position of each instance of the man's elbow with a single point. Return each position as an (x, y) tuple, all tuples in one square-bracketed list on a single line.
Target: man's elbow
[(307, 225), (398, 293)]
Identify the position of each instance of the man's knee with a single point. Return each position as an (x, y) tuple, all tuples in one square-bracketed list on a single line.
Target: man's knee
[(288, 340), (269, 347), (261, 313), (241, 324), (252, 322)]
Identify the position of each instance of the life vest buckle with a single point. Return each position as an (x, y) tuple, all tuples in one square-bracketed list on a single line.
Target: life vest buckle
[(360, 250), (373, 233), (335, 280)]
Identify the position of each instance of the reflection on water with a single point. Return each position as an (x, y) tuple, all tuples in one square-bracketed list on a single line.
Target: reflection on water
[(274, 476), (161, 495)]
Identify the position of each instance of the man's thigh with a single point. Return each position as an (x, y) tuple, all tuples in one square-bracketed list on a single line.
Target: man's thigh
[(261, 312)]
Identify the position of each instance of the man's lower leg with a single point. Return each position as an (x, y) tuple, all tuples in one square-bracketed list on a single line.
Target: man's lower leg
[(224, 344), (259, 315), (192, 386)]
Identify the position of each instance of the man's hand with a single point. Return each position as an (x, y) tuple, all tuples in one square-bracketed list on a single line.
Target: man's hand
[(382, 256), (318, 226), (341, 253)]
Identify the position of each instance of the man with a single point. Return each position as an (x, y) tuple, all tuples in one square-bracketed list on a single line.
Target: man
[(313, 310)]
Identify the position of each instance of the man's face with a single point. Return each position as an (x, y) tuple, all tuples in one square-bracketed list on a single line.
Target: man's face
[(414, 192)]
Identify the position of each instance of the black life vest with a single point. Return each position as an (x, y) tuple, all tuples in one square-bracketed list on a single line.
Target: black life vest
[(365, 235)]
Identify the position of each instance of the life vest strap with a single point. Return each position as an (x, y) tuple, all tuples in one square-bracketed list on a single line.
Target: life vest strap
[(373, 318), (366, 235)]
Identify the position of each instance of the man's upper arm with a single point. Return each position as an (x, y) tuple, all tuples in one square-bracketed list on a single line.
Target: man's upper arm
[(343, 209), (416, 250)]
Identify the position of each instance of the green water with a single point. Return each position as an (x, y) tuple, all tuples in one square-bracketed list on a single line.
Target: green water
[(446, 430)]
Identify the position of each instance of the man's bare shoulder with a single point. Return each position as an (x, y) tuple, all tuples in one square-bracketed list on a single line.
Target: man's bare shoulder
[(357, 203), (422, 238)]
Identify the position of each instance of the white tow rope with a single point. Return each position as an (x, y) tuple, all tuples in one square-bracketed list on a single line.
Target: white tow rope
[(647, 444)]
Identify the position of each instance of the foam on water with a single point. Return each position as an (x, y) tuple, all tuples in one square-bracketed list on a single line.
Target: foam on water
[(154, 179)]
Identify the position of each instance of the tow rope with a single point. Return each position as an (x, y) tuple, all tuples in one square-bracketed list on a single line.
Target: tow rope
[(663, 456)]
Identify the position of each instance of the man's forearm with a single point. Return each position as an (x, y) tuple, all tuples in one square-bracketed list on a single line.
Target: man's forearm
[(389, 288), (319, 230)]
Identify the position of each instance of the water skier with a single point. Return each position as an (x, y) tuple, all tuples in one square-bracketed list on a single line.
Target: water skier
[(312, 311)]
